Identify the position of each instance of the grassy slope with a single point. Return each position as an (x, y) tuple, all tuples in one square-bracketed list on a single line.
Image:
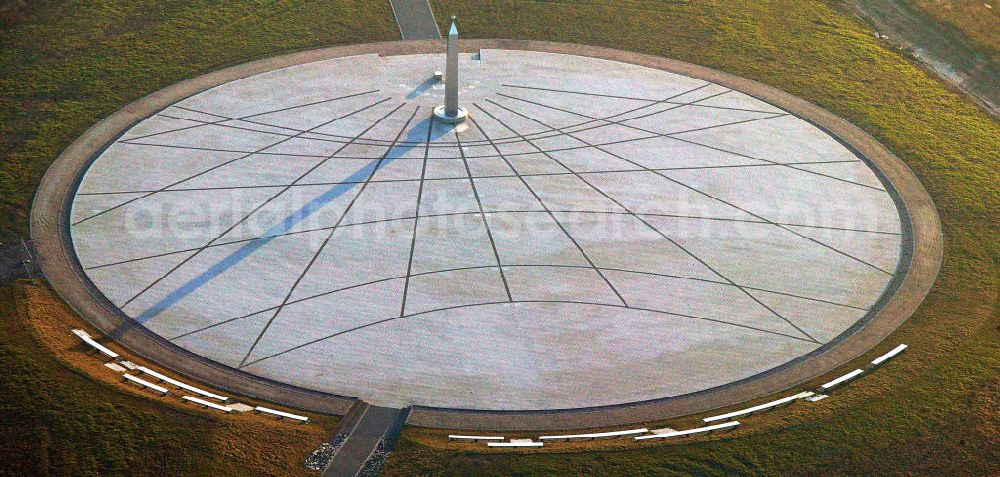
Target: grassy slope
[(934, 411), (67, 65), (77, 419), (56, 422), (235, 442), (71, 63)]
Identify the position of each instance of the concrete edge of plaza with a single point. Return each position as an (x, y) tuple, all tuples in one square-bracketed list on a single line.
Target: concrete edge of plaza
[(915, 275)]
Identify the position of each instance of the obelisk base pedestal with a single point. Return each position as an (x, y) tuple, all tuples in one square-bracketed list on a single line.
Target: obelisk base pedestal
[(442, 115)]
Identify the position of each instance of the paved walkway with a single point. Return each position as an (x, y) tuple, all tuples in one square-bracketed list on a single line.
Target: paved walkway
[(940, 46), (415, 19), (16, 261), (372, 432)]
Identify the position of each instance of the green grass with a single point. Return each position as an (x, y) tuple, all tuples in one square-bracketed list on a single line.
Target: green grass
[(71, 63), (934, 410), (55, 422), (63, 413)]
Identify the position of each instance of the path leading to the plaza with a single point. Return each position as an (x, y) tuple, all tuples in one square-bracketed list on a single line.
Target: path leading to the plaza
[(371, 434), (371, 430), (415, 19), (941, 47)]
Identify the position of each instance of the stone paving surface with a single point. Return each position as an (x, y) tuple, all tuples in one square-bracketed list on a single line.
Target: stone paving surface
[(415, 19), (597, 232)]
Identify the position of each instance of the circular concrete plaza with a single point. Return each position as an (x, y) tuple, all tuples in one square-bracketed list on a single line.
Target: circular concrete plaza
[(596, 232)]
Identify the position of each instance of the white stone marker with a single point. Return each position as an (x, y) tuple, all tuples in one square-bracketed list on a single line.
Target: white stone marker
[(451, 112)]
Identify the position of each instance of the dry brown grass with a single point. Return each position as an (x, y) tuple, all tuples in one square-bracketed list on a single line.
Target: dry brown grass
[(241, 440), (12, 11)]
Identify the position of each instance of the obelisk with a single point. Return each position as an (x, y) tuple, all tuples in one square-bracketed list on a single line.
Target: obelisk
[(451, 112)]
